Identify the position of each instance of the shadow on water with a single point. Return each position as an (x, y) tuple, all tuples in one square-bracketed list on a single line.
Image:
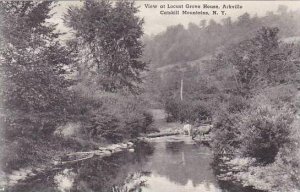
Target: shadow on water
[(164, 165), (228, 186)]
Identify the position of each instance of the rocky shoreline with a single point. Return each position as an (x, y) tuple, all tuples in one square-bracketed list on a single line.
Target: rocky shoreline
[(27, 173), (58, 163)]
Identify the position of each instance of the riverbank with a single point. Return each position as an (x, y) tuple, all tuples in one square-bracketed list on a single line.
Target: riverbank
[(28, 173), (88, 149), (66, 149), (163, 164), (132, 169), (282, 173)]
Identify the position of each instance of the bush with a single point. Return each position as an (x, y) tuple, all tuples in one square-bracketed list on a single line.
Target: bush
[(114, 117), (225, 132), (258, 132), (18, 153), (29, 138), (263, 131), (187, 111), (148, 120), (258, 127), (172, 108)]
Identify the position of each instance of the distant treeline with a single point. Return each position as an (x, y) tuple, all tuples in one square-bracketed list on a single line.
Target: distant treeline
[(179, 44)]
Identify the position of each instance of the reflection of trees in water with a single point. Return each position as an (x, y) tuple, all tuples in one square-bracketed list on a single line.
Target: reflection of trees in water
[(133, 183), (180, 162), (40, 183), (174, 147), (230, 186), (127, 172), (115, 171), (234, 187), (98, 175), (142, 150)]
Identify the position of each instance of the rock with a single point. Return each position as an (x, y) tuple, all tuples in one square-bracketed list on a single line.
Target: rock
[(129, 144), (113, 147), (131, 150), (117, 150), (98, 152), (31, 174), (123, 145), (15, 177), (229, 173), (55, 162), (102, 148), (103, 153), (15, 173), (29, 170), (38, 169)]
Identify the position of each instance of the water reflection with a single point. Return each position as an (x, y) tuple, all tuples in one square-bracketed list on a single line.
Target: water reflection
[(164, 165), (182, 163), (110, 174)]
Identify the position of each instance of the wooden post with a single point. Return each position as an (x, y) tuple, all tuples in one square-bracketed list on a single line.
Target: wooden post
[(181, 89), (181, 83)]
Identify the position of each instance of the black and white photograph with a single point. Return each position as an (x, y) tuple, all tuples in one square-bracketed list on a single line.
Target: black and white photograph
[(149, 96)]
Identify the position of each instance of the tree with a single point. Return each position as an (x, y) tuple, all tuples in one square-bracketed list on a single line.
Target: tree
[(244, 19), (260, 61), (110, 37), (282, 9), (227, 22), (33, 62), (258, 117), (203, 23)]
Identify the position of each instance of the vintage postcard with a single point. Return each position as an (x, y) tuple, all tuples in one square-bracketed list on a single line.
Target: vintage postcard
[(150, 96)]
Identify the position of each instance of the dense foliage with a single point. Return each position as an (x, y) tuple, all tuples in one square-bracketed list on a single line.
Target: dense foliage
[(110, 50), (34, 91), (237, 75), (249, 90), (242, 76), (49, 105)]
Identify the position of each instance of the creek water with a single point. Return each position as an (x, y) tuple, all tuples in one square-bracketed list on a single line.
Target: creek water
[(168, 164)]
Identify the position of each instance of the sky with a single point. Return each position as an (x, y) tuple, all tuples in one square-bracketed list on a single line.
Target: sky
[(156, 23)]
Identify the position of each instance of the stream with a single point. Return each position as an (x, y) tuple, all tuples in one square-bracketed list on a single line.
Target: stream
[(167, 164)]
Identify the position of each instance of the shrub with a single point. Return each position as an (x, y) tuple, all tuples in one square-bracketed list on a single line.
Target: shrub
[(172, 108), (112, 116), (263, 131), (148, 120), (225, 133), (184, 111), (259, 131)]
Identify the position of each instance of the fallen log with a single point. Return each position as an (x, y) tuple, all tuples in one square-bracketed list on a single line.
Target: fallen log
[(101, 152), (80, 152), (153, 135), (77, 160)]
